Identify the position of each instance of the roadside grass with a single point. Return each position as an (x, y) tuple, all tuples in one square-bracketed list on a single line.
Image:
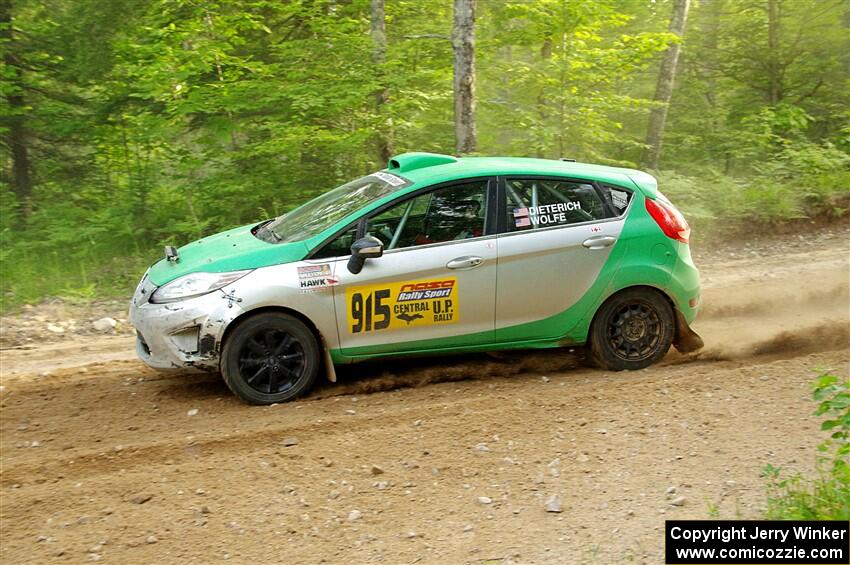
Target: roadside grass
[(77, 280), (799, 181), (721, 202), (826, 496)]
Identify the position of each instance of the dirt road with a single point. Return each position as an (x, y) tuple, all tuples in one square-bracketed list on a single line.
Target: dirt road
[(103, 459)]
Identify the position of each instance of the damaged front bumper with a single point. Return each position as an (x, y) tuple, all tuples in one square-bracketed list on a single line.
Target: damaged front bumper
[(185, 333)]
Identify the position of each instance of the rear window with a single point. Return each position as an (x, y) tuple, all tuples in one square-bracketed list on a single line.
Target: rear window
[(543, 203)]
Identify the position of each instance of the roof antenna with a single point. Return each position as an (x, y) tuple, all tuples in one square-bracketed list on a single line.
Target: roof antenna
[(567, 160)]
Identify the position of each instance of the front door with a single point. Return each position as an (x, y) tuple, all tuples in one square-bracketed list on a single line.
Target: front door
[(434, 287)]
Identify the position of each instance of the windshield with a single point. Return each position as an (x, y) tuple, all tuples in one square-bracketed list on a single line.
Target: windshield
[(324, 211)]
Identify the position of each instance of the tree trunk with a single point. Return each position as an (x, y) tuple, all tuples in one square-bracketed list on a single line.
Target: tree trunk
[(847, 39), (664, 86), (463, 44), (710, 64), (542, 103), (711, 31), (382, 96), (773, 65), (16, 137)]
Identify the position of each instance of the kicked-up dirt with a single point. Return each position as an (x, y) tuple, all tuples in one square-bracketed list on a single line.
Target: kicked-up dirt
[(451, 460)]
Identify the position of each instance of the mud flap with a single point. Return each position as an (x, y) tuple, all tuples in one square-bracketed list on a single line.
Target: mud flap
[(685, 340), (330, 370)]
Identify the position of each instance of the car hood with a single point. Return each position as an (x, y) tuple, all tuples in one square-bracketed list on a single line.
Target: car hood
[(232, 250)]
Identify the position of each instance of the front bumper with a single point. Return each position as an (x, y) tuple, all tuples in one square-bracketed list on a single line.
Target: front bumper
[(180, 334)]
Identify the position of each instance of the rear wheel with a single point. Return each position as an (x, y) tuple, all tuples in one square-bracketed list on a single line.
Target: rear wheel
[(632, 330), (271, 357)]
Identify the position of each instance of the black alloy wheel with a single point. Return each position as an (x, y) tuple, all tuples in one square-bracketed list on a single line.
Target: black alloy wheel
[(632, 330), (271, 361), (271, 357)]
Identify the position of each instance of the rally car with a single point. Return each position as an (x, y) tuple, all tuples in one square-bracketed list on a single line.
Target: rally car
[(432, 255)]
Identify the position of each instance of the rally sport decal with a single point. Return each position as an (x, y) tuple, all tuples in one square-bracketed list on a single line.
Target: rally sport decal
[(405, 304)]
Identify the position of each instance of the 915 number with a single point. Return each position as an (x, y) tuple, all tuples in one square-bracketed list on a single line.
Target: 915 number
[(370, 313)]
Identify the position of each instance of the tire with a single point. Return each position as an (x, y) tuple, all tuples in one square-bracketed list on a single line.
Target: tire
[(269, 358), (632, 330)]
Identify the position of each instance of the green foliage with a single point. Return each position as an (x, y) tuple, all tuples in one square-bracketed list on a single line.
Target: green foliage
[(799, 498), (151, 122), (802, 181), (827, 496), (833, 395), (561, 68)]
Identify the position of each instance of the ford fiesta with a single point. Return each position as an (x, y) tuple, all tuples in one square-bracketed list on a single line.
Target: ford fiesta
[(434, 254)]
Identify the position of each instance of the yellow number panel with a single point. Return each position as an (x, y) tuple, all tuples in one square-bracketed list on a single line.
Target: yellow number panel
[(399, 305)]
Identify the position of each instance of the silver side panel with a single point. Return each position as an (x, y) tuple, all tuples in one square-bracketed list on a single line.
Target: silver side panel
[(543, 272)]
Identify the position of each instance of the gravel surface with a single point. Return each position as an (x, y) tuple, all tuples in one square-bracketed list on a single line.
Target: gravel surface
[(524, 458)]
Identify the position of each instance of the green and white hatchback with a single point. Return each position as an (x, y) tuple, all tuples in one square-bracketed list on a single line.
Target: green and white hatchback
[(433, 255)]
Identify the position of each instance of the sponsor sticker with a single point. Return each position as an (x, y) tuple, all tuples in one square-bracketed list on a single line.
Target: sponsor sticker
[(400, 305), (390, 179), (521, 217), (619, 198), (313, 277), (548, 214)]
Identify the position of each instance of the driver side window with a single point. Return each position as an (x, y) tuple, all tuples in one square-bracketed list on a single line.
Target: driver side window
[(339, 247), (450, 213)]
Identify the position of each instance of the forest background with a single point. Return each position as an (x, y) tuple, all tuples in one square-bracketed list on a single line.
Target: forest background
[(130, 124)]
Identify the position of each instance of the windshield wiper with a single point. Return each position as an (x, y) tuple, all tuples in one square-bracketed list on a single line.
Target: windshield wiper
[(262, 232)]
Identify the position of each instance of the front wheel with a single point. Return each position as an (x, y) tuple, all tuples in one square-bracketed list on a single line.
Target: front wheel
[(271, 357), (632, 330)]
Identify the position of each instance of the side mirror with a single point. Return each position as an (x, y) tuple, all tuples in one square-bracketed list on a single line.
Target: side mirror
[(368, 247)]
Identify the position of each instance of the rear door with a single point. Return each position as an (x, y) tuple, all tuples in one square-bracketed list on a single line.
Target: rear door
[(556, 236), (435, 285)]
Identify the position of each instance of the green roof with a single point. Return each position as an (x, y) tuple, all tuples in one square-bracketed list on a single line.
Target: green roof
[(429, 168)]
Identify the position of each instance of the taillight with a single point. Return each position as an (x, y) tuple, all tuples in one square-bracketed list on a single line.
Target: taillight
[(670, 220)]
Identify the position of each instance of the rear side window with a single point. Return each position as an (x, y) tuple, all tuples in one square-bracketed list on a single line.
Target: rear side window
[(542, 203), (618, 198)]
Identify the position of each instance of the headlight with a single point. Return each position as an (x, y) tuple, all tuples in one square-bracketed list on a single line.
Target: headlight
[(141, 284), (194, 284)]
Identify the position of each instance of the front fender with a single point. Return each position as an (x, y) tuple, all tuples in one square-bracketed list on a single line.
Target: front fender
[(289, 287)]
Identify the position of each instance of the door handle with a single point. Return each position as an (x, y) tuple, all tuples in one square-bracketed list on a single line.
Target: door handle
[(466, 262), (599, 242)]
